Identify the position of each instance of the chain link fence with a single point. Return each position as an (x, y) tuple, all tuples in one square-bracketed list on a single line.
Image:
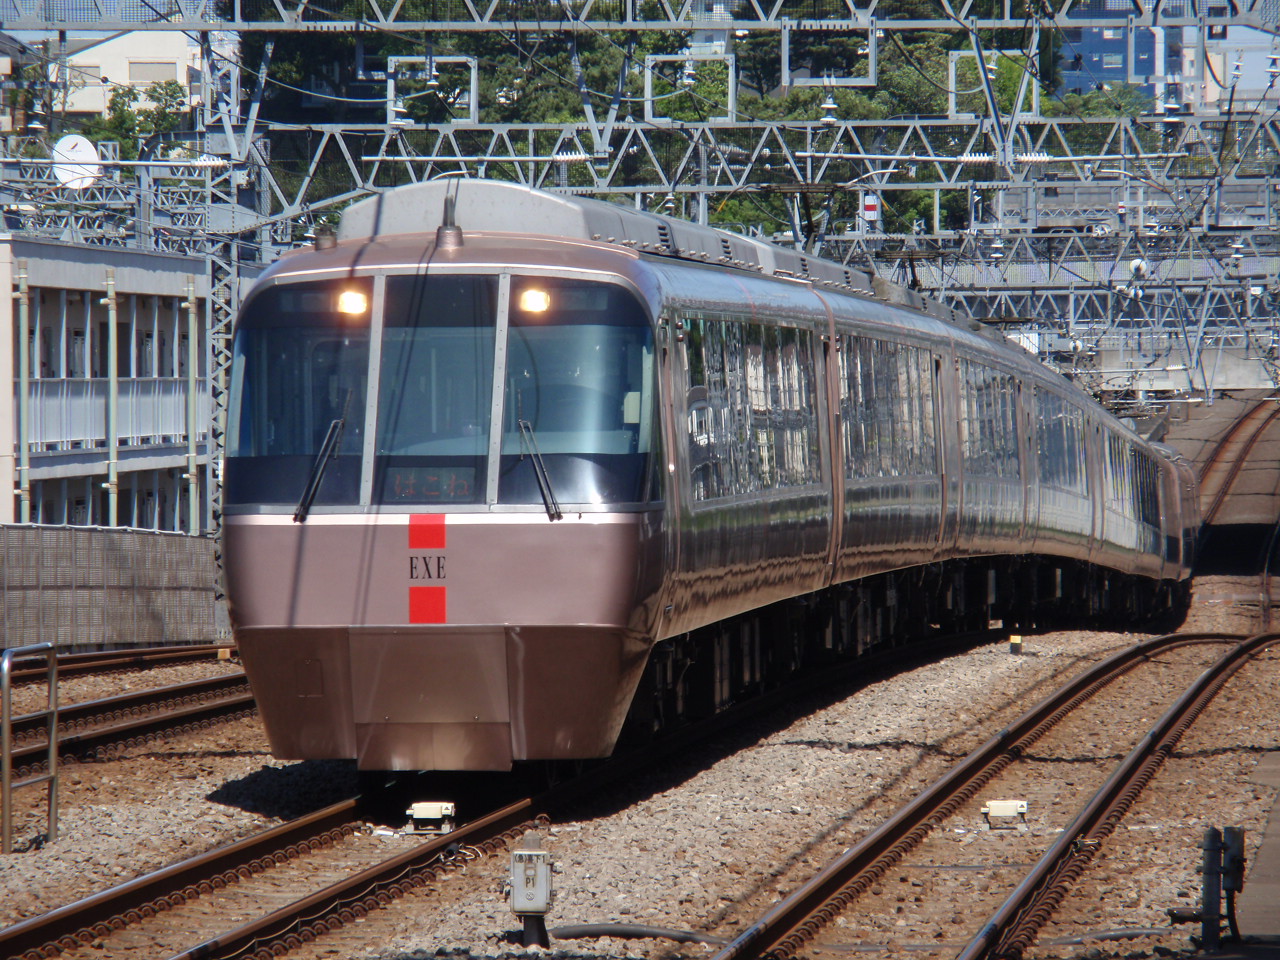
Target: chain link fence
[(88, 588)]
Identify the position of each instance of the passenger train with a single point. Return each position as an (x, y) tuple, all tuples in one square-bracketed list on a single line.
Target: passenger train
[(505, 468)]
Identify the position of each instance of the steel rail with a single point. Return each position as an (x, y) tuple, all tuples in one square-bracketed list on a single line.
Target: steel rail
[(1236, 463), (1265, 578), (1229, 437), (1015, 924), (83, 921), (328, 909), (106, 660), (791, 923), (40, 936), (76, 716), (103, 741), (325, 910)]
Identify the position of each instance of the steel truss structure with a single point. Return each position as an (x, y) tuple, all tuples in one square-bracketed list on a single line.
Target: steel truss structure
[(1152, 236), (199, 16)]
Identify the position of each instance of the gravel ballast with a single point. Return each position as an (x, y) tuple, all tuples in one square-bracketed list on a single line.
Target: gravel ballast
[(698, 846)]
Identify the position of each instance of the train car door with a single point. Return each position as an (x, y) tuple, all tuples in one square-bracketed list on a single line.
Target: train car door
[(1031, 485), (1098, 479), (946, 394), (670, 332), (1029, 466), (832, 345)]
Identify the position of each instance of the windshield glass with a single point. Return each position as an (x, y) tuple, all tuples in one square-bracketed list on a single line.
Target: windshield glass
[(300, 362), (580, 375), (435, 389)]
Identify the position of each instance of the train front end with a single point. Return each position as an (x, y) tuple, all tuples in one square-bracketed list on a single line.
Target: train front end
[(441, 526)]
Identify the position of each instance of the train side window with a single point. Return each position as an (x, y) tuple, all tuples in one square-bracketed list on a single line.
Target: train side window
[(804, 430), (701, 426), (1010, 395), (989, 433), (751, 407), (866, 396), (1147, 507), (1120, 486), (784, 417), (761, 461), (925, 415), (1062, 432)]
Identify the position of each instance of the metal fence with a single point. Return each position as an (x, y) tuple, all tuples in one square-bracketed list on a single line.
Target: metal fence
[(86, 588)]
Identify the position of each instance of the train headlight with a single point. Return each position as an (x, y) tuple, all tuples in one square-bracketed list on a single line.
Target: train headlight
[(353, 303), (534, 300)]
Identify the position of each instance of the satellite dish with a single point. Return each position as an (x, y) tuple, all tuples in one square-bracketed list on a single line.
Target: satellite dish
[(75, 162)]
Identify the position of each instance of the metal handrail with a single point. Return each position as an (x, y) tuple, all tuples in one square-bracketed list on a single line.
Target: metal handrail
[(50, 713)]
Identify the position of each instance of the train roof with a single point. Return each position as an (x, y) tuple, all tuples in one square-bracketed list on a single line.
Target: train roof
[(400, 224), (492, 206)]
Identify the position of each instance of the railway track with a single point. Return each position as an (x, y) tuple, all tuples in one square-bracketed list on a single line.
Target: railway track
[(811, 909), (90, 923), (100, 729), (98, 916), (341, 890), (161, 909), (1217, 478), (106, 661), (1014, 926), (1223, 466), (1266, 579)]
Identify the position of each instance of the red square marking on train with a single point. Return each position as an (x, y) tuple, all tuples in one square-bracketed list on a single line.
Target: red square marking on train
[(426, 531), (426, 605)]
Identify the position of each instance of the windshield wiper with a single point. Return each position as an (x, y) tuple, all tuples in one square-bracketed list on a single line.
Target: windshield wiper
[(540, 472), (328, 450)]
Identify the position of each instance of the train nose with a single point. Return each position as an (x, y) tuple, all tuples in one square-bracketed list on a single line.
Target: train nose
[(442, 698), (430, 699)]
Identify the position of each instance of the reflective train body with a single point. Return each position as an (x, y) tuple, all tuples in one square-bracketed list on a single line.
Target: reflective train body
[(491, 487)]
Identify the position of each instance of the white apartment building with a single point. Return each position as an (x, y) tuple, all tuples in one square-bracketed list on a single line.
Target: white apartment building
[(96, 67), (105, 427)]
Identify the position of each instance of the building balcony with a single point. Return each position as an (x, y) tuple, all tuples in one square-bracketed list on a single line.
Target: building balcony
[(71, 413)]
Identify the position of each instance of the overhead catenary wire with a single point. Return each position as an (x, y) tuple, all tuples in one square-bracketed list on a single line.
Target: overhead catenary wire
[(571, 21)]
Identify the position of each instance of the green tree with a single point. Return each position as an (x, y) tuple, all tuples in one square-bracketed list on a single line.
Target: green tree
[(168, 110), (137, 129), (1120, 100)]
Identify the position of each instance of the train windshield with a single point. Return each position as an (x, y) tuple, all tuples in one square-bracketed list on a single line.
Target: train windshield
[(576, 400), (436, 389), (299, 372), (578, 394)]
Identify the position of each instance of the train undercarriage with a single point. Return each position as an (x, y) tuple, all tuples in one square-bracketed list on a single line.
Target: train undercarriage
[(698, 674)]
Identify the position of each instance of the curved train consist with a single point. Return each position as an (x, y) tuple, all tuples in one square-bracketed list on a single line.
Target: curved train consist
[(490, 485)]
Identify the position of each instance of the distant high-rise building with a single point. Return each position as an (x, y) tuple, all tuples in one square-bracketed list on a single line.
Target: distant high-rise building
[(1100, 58)]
